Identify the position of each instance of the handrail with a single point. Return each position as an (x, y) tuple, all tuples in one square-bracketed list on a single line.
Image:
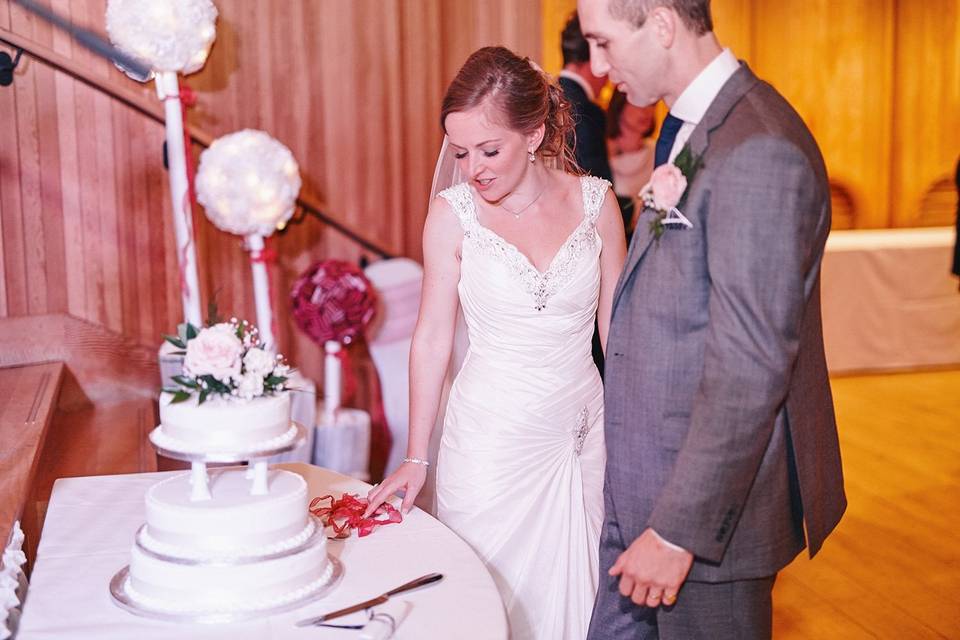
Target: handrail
[(154, 111)]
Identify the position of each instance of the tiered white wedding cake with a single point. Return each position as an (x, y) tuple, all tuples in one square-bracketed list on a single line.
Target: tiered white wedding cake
[(239, 540)]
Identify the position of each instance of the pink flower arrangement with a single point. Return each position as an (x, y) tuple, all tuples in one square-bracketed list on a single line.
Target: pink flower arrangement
[(225, 359)]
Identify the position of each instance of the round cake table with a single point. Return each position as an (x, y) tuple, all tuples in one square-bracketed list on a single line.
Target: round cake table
[(89, 529)]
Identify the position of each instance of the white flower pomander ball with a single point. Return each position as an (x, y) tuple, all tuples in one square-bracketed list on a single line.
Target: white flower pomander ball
[(258, 362), (169, 35), (248, 183)]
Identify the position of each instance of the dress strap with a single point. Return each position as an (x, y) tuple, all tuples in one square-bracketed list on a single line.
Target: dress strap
[(594, 190), (461, 200)]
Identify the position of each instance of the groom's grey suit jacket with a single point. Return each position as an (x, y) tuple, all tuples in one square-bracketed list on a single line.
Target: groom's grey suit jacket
[(719, 418)]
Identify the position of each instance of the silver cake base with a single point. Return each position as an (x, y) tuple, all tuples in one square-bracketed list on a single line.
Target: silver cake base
[(123, 600)]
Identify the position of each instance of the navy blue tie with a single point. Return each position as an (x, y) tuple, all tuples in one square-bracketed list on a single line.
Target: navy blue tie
[(668, 134)]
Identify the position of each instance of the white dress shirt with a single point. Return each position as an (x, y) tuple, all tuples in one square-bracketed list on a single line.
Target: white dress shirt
[(700, 94)]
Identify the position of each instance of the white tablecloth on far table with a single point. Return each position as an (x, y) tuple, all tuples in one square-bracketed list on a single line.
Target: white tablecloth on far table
[(88, 533), (889, 300)]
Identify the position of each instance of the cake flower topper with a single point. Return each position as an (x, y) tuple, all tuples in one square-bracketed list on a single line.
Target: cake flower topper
[(225, 359)]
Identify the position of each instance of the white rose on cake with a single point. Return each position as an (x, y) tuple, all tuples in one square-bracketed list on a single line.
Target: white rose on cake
[(216, 351), (258, 362), (250, 386)]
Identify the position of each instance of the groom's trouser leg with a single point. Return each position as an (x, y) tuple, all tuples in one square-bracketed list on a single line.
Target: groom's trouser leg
[(739, 610), (615, 617)]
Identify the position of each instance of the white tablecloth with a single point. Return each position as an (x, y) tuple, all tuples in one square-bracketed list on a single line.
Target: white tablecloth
[(89, 529), (889, 300)]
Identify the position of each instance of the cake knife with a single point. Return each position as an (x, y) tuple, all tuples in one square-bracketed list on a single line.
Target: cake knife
[(366, 604)]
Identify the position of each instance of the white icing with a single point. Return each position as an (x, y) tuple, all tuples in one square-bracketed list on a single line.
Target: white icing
[(232, 522), (174, 588), (165, 442), (224, 424)]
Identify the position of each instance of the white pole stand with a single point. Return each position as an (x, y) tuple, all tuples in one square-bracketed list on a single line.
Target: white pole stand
[(199, 481), (261, 292), (259, 487), (332, 371), (168, 90)]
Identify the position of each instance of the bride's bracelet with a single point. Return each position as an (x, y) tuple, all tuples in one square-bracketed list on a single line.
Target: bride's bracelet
[(425, 463)]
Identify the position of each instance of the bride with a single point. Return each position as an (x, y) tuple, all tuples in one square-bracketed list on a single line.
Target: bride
[(532, 254)]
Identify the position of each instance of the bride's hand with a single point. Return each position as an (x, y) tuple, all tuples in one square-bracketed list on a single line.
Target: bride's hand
[(409, 477)]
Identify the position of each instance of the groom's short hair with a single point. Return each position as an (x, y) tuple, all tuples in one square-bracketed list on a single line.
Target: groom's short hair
[(695, 14)]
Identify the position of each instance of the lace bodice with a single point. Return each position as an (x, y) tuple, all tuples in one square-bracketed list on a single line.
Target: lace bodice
[(541, 286)]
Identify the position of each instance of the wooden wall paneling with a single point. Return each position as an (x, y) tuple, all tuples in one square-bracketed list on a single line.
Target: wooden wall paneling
[(423, 90), (14, 271), (29, 170), (126, 223), (107, 212), (832, 61), (54, 272), (926, 118), (15, 276)]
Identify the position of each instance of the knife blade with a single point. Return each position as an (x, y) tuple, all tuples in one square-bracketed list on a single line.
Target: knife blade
[(372, 602)]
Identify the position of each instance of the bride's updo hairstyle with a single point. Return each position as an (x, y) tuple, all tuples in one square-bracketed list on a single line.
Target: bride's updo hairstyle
[(523, 95)]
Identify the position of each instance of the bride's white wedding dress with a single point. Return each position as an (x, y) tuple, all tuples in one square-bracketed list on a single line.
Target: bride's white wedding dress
[(520, 469)]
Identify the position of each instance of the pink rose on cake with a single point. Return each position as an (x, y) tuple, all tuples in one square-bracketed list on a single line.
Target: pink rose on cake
[(216, 351)]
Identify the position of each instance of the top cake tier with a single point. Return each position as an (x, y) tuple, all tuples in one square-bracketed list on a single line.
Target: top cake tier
[(225, 425)]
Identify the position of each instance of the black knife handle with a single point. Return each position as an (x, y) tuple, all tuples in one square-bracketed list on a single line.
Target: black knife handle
[(413, 584)]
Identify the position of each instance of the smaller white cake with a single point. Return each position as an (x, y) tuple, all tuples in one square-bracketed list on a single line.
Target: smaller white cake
[(224, 423)]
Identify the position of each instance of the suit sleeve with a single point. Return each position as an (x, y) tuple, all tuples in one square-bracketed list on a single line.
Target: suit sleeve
[(765, 215)]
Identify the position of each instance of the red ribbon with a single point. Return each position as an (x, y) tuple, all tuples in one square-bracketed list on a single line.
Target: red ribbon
[(267, 256), (347, 513)]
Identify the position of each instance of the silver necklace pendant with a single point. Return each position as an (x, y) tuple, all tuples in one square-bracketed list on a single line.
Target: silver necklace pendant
[(516, 214)]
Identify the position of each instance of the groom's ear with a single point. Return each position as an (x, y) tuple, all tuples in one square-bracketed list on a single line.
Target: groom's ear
[(664, 23)]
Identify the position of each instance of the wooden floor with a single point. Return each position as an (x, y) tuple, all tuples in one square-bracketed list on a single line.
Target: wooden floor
[(892, 568)]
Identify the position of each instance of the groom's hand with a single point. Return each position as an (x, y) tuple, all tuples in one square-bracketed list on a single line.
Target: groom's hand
[(651, 572)]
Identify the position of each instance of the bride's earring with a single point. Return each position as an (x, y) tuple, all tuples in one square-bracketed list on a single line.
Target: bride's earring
[(531, 156)]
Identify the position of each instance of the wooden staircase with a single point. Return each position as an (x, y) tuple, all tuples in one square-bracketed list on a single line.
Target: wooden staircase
[(75, 400)]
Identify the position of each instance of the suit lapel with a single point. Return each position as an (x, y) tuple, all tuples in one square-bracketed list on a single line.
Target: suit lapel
[(731, 93)]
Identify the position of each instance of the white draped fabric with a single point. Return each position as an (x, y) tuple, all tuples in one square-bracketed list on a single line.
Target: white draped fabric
[(520, 469), (398, 284), (89, 530)]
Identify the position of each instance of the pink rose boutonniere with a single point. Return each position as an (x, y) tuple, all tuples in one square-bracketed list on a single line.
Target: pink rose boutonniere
[(668, 184)]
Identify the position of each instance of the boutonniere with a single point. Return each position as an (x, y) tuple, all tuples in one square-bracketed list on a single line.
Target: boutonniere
[(667, 186)]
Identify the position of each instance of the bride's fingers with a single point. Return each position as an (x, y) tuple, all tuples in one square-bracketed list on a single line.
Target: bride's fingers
[(375, 498)]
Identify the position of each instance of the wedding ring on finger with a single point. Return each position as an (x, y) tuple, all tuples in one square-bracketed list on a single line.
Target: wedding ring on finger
[(669, 599), (653, 598)]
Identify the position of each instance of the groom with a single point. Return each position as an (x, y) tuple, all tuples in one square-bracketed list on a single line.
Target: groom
[(723, 461)]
